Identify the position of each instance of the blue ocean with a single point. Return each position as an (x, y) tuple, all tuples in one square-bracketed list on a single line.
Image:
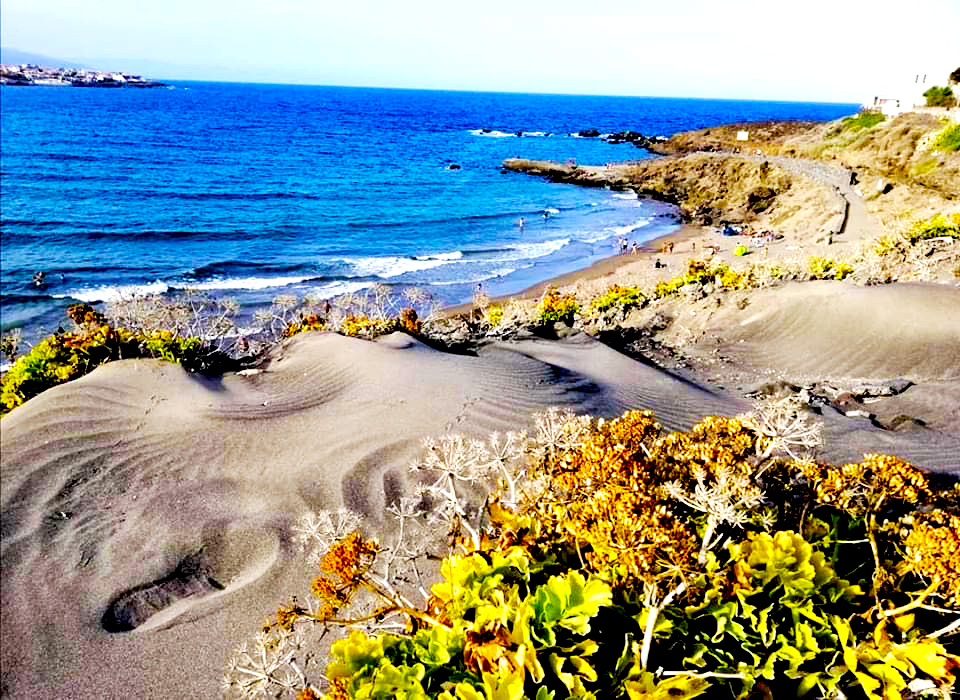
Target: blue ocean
[(251, 191)]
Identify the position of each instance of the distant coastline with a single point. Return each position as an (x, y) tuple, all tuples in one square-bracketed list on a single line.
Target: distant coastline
[(29, 74)]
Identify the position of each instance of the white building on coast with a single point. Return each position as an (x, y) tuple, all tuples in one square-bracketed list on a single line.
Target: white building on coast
[(906, 91)]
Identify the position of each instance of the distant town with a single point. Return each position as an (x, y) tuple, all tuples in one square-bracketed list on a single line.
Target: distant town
[(30, 74)]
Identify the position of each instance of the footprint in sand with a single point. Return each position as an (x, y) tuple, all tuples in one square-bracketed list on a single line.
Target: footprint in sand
[(192, 578), (214, 570)]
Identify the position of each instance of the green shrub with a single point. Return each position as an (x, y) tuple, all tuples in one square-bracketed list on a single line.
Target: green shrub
[(366, 327), (842, 270), (67, 356), (936, 227), (643, 565), (824, 268), (494, 315), (312, 322), (939, 97), (556, 307), (698, 272), (949, 140), (864, 120), (619, 297), (666, 289), (730, 279)]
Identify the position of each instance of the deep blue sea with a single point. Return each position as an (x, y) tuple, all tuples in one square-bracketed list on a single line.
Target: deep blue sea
[(251, 191)]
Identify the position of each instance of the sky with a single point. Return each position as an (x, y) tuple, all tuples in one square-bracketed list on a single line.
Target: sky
[(817, 50)]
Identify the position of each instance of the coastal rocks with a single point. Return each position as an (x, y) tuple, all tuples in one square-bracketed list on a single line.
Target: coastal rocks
[(760, 198), (636, 138), (709, 188)]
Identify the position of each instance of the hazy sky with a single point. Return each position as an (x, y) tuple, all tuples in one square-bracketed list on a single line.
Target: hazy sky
[(818, 50)]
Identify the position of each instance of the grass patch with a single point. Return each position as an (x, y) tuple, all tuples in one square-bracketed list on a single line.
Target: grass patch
[(949, 140), (936, 227), (864, 120), (925, 168)]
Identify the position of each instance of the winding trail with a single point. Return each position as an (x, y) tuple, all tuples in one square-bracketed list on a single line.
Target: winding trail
[(858, 224)]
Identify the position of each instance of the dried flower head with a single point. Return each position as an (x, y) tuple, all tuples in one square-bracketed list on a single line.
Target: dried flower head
[(785, 426)]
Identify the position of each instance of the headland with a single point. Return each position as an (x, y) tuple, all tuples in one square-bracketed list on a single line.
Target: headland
[(28, 74)]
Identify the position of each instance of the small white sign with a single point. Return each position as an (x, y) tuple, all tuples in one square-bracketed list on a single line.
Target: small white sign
[(743, 136)]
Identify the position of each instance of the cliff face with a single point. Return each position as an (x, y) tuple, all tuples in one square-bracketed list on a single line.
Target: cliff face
[(711, 188)]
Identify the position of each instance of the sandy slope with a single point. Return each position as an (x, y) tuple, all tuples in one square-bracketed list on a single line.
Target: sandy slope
[(172, 496), (141, 497), (825, 330)]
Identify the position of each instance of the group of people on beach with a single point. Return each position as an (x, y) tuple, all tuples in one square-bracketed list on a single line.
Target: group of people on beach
[(626, 247)]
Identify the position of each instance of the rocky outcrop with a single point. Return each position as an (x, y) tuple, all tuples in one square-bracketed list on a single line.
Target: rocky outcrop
[(705, 189), (712, 188)]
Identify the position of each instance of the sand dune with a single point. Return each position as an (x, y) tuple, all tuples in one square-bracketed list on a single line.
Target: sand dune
[(815, 332), (156, 504), (147, 512), (825, 330)]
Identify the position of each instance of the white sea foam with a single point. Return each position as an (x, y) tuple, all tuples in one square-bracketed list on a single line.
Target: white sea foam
[(525, 251), (392, 266), (625, 195), (455, 255), (630, 228), (551, 210), (335, 289), (492, 133), (605, 236), (109, 293), (251, 283), (535, 133), (483, 277)]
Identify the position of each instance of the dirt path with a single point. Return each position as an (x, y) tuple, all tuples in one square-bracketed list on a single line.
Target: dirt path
[(859, 224)]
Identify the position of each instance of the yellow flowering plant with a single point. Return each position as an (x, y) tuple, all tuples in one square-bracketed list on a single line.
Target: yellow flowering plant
[(616, 560)]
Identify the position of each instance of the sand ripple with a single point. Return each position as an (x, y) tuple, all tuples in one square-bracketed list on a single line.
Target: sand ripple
[(147, 512)]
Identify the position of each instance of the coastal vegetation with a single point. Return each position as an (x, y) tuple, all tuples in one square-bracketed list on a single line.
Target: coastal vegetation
[(614, 560), (201, 334), (556, 307), (936, 227), (864, 120), (949, 140), (940, 96), (95, 341)]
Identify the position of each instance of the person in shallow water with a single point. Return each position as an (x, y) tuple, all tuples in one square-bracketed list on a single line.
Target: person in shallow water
[(39, 279)]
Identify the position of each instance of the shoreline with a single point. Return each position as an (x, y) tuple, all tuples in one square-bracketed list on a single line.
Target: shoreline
[(606, 267)]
